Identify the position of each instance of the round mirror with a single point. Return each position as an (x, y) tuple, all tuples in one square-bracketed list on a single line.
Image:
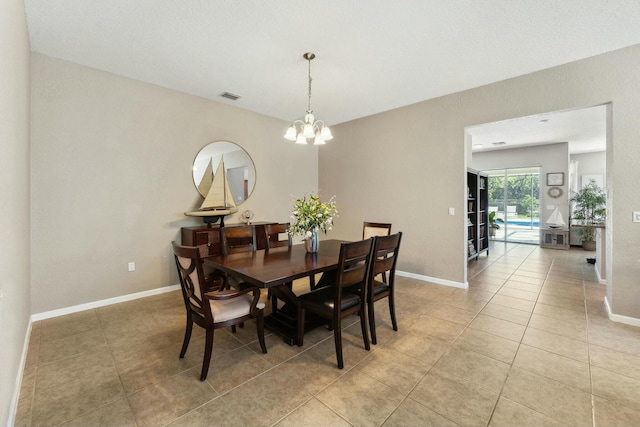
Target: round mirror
[(239, 168)]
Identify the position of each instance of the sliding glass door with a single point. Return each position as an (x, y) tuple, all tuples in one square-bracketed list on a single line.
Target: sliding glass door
[(514, 196)]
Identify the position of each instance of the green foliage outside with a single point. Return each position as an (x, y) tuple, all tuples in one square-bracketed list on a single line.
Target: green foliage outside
[(519, 190)]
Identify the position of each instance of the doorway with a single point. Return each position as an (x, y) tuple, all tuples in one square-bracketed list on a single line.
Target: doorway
[(514, 196)]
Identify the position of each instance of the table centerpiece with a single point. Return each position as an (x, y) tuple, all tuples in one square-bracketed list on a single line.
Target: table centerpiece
[(310, 215)]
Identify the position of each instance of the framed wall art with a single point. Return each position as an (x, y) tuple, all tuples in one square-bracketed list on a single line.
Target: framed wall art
[(555, 179)]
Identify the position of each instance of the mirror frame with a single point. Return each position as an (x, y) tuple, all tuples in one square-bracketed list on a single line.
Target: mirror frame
[(234, 156)]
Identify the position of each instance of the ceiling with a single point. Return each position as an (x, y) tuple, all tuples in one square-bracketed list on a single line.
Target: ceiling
[(584, 129), (371, 56)]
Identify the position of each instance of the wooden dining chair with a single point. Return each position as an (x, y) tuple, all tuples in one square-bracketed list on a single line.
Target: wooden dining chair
[(213, 310), (238, 239), (384, 260), (372, 229), (346, 296), (277, 235), (213, 278)]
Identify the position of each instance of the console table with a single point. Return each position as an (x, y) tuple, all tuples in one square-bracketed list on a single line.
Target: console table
[(554, 238), (210, 238)]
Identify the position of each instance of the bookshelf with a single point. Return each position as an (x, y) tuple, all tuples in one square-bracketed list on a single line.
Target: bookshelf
[(477, 214)]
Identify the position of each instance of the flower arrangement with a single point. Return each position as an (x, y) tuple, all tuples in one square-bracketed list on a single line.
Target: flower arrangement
[(310, 213)]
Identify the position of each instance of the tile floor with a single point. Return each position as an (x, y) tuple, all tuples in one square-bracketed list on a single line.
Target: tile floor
[(527, 344)]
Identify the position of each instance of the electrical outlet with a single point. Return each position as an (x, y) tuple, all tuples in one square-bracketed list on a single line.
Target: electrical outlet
[(452, 211), (636, 216), (132, 266)]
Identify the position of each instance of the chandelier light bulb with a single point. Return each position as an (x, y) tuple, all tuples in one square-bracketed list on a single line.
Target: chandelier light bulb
[(291, 133), (325, 133)]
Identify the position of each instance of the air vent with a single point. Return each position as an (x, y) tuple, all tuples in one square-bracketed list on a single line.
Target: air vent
[(498, 143), (229, 95)]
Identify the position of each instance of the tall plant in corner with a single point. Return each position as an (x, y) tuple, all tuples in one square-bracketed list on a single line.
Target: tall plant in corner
[(589, 209)]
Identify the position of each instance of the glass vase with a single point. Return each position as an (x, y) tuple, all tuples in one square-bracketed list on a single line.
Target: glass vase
[(312, 243)]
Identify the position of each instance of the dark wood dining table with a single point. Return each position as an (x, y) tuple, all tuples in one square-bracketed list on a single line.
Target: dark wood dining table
[(276, 268)]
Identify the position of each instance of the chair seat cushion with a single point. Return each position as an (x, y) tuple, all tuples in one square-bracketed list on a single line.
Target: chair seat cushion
[(324, 297), (379, 287), (232, 308)]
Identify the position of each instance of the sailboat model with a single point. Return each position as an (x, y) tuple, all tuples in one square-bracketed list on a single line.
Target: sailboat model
[(219, 200), (555, 220)]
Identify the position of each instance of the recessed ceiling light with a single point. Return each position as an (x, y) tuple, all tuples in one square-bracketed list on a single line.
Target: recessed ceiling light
[(498, 143), (544, 120), (477, 145)]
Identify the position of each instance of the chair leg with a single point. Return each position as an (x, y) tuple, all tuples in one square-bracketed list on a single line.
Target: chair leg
[(208, 347), (233, 329), (392, 311), (364, 328), (260, 326), (372, 321), (337, 337), (187, 337)]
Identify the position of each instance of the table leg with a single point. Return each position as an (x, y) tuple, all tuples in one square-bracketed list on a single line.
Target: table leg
[(283, 320)]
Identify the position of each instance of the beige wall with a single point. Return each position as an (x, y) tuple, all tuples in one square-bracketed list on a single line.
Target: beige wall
[(407, 166), (111, 178), (14, 191)]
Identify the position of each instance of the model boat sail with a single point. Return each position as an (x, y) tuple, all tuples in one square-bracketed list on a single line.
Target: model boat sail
[(219, 196), (207, 180), (556, 220), (219, 199)]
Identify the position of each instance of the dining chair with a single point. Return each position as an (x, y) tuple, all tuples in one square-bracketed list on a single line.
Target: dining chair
[(384, 260), (238, 239), (346, 296), (275, 234), (213, 310), (371, 229), (214, 279)]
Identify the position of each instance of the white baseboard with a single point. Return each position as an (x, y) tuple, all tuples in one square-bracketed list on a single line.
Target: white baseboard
[(633, 321), (18, 384), (435, 280), (600, 279), (101, 303)]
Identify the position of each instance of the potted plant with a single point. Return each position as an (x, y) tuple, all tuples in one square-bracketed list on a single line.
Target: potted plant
[(493, 223), (589, 209)]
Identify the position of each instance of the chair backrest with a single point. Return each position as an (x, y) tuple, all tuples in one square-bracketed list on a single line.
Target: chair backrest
[(276, 235), (385, 256), (353, 265), (238, 239), (371, 229), (191, 275)]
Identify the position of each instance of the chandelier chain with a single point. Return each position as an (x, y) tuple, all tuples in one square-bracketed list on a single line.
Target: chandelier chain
[(309, 102)]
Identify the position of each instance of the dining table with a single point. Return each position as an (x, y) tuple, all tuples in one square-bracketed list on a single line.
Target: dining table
[(276, 269)]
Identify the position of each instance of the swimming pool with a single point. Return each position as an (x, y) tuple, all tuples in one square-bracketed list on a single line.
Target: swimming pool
[(523, 223)]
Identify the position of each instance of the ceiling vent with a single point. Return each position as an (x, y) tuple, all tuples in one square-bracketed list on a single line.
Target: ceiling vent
[(231, 96), (498, 143)]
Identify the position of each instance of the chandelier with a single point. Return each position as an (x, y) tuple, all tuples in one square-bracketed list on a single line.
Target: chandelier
[(303, 132)]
